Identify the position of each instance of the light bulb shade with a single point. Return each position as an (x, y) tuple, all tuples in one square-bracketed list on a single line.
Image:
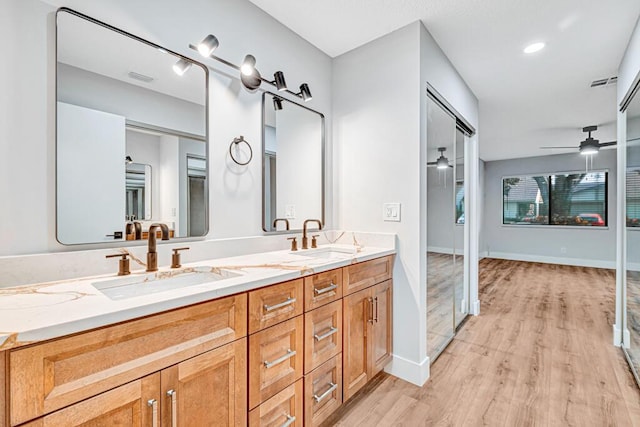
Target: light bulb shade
[(128, 160), (181, 66), (208, 45), (248, 65), (252, 81), (305, 93), (281, 84), (442, 162), (589, 146), (277, 104), (585, 151)]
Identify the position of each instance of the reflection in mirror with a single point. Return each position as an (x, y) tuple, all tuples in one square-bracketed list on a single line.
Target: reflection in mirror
[(459, 310), (138, 191), (293, 164), (121, 105), (633, 233)]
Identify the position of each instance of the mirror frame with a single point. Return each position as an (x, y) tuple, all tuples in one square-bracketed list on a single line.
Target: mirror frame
[(323, 163), (204, 138)]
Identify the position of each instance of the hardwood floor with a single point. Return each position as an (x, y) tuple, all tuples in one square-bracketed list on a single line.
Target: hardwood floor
[(539, 354)]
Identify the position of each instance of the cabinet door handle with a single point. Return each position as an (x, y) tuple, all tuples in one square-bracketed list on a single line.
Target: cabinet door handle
[(332, 330), (154, 411), (329, 288), (376, 300), (290, 420), (370, 320), (290, 353), (285, 303), (332, 386), (174, 407)]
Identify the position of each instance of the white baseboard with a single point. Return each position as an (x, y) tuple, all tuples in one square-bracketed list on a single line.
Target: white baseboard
[(415, 373), (475, 308), (627, 338), (554, 260), (617, 336)]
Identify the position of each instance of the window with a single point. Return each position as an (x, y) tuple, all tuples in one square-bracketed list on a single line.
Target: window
[(633, 198), (571, 199)]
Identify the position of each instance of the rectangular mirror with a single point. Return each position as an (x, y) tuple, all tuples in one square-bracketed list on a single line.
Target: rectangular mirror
[(293, 164), (127, 108)]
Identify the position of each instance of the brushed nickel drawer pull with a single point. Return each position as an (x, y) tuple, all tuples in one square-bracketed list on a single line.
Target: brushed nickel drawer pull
[(290, 420), (329, 288), (290, 353), (154, 412), (332, 330), (174, 407), (332, 387), (288, 301)]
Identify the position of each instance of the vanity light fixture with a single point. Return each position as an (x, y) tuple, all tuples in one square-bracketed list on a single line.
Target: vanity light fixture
[(277, 103), (249, 75), (534, 47), (248, 65), (181, 66), (305, 93), (208, 45), (279, 81)]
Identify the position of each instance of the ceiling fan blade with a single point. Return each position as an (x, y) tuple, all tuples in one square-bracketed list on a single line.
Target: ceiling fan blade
[(558, 147), (606, 144)]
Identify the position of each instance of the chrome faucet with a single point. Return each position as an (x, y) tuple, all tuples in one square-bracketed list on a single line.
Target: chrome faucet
[(152, 255), (305, 240)]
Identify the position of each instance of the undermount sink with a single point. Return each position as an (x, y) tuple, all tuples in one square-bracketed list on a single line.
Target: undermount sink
[(152, 283), (330, 252)]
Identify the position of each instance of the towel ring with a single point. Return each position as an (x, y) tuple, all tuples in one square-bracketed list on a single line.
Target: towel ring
[(237, 141)]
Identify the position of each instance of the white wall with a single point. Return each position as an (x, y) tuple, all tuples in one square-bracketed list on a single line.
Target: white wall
[(144, 148), (588, 246), (630, 64), (380, 130), (91, 90), (27, 106)]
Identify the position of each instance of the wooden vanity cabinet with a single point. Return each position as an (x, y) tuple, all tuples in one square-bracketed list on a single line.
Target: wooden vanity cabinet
[(367, 334)]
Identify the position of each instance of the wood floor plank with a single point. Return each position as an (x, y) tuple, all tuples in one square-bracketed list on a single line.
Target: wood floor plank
[(539, 355)]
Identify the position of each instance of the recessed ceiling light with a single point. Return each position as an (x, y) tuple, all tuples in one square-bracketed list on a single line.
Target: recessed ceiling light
[(534, 47)]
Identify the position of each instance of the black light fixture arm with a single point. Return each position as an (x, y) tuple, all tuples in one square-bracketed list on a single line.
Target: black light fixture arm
[(238, 68)]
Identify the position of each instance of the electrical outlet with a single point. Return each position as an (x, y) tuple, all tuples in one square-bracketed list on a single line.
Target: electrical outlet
[(391, 212), (290, 211)]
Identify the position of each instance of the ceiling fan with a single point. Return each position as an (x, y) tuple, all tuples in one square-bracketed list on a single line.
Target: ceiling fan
[(589, 145), (442, 162)]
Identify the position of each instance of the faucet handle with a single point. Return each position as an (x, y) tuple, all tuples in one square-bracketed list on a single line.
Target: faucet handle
[(294, 244), (175, 258), (123, 264), (314, 241)]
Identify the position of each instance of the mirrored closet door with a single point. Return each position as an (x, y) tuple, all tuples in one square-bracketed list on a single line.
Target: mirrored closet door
[(633, 235)]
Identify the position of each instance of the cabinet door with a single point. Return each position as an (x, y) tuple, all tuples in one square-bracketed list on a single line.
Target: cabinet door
[(357, 316), (134, 404), (209, 389), (381, 329)]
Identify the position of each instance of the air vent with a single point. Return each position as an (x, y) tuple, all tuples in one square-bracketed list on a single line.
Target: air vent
[(604, 82), (141, 77)]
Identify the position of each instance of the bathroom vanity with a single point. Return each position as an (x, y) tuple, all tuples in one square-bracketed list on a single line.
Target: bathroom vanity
[(277, 338)]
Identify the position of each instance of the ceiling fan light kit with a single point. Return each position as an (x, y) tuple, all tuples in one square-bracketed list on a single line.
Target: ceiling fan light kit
[(590, 145)]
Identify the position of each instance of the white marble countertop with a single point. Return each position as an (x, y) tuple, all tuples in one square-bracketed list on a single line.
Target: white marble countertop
[(43, 311)]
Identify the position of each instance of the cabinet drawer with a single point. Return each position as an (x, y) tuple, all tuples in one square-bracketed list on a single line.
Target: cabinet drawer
[(49, 376), (275, 359), (275, 304), (322, 335), (322, 288), (283, 409), (368, 273), (323, 391)]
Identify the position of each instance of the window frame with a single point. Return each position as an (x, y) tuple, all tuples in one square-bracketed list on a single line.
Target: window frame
[(548, 175)]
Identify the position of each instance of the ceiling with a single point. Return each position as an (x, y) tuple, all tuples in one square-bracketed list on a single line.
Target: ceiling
[(526, 101)]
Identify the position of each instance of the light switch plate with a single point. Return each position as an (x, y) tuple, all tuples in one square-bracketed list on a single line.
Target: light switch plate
[(290, 211), (391, 212)]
